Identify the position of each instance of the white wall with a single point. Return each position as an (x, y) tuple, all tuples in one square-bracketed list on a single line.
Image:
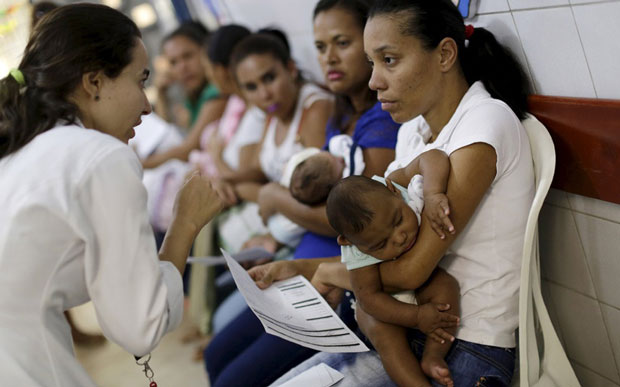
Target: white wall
[(569, 48), (292, 16)]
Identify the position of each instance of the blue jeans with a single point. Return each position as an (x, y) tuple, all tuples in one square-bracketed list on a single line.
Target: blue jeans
[(470, 364), (473, 364)]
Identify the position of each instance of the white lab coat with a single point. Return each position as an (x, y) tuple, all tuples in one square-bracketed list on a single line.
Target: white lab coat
[(73, 228)]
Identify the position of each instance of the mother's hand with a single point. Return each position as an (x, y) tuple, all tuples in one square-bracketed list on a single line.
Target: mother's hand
[(265, 275), (325, 285)]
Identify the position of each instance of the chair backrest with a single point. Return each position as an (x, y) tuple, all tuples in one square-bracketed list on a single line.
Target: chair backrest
[(541, 363)]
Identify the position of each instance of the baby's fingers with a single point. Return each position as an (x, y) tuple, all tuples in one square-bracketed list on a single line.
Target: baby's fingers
[(448, 323), (443, 335), (438, 229), (447, 223), (436, 338), (450, 318), (442, 215), (445, 207)]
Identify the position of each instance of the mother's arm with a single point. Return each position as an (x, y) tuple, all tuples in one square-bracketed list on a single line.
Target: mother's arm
[(377, 160), (473, 171), (275, 198)]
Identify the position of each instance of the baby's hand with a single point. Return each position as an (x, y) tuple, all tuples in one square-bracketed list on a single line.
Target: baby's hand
[(432, 319), (436, 210)]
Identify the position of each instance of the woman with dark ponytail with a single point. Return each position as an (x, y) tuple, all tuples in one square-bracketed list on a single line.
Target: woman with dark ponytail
[(464, 94), (73, 221)]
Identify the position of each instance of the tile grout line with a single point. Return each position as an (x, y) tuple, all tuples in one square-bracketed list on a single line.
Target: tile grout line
[(594, 216), (593, 2), (527, 61), (595, 288), (583, 49), (555, 283), (580, 212), (510, 9), (591, 370)]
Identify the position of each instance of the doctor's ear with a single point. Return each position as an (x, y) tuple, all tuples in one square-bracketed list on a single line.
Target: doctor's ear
[(92, 82), (343, 241)]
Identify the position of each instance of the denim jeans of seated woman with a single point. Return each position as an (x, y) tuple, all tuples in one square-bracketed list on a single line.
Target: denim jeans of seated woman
[(470, 364)]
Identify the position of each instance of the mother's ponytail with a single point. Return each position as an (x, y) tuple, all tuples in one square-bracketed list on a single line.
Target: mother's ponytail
[(67, 43), (485, 59), (481, 57)]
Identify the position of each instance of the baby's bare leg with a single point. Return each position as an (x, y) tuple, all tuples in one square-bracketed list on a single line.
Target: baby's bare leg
[(391, 343), (440, 288)]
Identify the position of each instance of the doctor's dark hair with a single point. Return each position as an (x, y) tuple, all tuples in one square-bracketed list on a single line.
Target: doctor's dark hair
[(359, 10), (481, 59), (348, 210), (67, 43)]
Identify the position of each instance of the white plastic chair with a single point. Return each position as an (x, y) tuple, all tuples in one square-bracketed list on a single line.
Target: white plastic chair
[(542, 359)]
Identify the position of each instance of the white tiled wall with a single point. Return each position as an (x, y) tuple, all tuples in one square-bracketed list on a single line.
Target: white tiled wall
[(568, 48), (580, 261), (572, 48)]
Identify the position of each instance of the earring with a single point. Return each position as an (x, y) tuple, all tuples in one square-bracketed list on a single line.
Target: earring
[(96, 98)]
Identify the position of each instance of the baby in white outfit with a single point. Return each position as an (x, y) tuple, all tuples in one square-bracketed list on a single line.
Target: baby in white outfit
[(378, 220), (309, 175)]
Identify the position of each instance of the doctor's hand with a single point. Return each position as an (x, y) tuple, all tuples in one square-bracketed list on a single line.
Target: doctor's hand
[(197, 202)]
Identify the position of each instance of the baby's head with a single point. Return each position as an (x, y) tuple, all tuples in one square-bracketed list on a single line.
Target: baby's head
[(371, 216), (314, 177)]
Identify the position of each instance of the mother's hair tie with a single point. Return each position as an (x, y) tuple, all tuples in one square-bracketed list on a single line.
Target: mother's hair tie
[(469, 31), (18, 76)]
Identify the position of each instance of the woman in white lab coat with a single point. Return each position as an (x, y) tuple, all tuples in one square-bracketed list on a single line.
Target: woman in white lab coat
[(73, 220)]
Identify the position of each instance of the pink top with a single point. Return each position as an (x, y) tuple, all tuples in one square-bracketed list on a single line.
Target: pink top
[(225, 127)]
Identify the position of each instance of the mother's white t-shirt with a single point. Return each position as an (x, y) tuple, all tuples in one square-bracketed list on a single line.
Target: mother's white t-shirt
[(485, 258)]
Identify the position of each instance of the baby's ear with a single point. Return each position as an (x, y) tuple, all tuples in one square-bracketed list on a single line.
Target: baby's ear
[(343, 241)]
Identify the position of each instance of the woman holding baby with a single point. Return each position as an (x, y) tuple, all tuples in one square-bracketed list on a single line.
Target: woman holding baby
[(243, 354), (464, 94)]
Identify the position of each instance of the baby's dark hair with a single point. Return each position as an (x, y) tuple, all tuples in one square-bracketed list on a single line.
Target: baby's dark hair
[(348, 204), (310, 184)]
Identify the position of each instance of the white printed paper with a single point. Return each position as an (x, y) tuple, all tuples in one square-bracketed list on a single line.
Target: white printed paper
[(293, 310), (250, 254), (321, 375)]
